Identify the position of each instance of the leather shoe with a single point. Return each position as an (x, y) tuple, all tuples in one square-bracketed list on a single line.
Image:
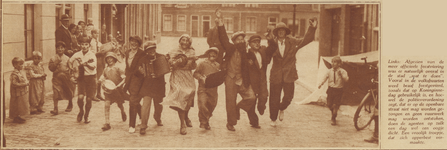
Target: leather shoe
[(123, 116), (54, 112), (80, 115), (261, 109), (69, 108), (159, 123), (143, 131), (333, 122), (230, 127), (372, 140), (106, 127), (256, 126), (86, 120), (202, 126), (34, 112), (188, 123), (19, 120), (207, 127), (183, 130), (96, 99)]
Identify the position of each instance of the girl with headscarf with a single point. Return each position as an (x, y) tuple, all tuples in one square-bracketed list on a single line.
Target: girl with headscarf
[(182, 91)]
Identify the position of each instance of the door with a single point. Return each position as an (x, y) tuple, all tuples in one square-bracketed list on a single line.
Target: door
[(194, 26), (206, 28), (356, 27), (206, 21), (335, 32)]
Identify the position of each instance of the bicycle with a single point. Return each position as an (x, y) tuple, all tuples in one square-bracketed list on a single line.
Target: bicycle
[(365, 111)]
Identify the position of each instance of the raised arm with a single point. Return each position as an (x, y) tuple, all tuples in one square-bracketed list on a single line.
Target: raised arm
[(223, 38), (309, 36)]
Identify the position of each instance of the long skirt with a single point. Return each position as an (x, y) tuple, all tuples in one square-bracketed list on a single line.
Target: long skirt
[(18, 105), (181, 94), (36, 94)]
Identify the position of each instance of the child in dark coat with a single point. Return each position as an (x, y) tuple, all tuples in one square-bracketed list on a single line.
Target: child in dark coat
[(19, 105)]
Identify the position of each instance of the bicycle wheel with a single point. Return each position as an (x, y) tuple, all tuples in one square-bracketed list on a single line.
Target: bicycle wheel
[(365, 111)]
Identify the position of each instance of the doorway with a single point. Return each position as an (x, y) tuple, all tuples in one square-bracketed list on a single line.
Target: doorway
[(194, 26), (206, 23)]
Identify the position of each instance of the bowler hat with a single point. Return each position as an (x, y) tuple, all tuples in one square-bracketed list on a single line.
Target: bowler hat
[(149, 44), (281, 25), (235, 35), (65, 17), (254, 37), (136, 38)]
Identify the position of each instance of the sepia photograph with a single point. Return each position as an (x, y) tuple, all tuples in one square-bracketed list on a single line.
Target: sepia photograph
[(153, 75)]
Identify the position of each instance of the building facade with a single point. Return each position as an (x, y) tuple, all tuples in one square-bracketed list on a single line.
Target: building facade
[(31, 27), (142, 20), (197, 19), (348, 29)]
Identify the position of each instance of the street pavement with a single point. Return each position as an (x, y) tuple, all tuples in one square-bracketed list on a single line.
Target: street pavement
[(304, 126)]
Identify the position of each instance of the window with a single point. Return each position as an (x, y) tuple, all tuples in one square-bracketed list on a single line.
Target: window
[(206, 18), (181, 23), (29, 31), (252, 5), (250, 25), (62, 9), (167, 22), (228, 5), (272, 21), (228, 22)]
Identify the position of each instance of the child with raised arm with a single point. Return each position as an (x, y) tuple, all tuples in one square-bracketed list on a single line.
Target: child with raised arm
[(336, 77)]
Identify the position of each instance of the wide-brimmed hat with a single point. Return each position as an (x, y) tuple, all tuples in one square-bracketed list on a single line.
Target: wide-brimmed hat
[(235, 35), (111, 54), (212, 49), (254, 38), (281, 25), (136, 38), (65, 17), (149, 44)]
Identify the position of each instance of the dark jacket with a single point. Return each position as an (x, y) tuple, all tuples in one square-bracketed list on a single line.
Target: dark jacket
[(64, 35), (258, 75), (153, 87), (284, 68), (229, 51), (133, 82)]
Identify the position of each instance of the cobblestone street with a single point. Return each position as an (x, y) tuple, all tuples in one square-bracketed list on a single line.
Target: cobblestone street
[(303, 126)]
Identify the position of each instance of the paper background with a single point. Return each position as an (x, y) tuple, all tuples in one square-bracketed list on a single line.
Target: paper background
[(411, 28)]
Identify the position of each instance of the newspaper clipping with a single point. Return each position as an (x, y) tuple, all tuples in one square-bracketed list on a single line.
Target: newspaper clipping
[(223, 74)]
